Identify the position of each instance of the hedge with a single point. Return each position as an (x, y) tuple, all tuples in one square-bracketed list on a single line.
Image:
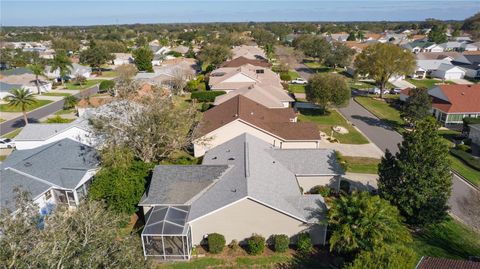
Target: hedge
[(304, 244), (106, 85), (216, 243), (467, 158), (280, 242), (325, 191), (207, 96), (285, 76), (255, 244)]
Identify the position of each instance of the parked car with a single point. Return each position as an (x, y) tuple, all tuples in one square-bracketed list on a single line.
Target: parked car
[(6, 143), (299, 81), (396, 91), (377, 91)]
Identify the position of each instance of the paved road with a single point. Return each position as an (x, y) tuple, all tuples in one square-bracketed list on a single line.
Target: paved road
[(36, 115), (462, 199)]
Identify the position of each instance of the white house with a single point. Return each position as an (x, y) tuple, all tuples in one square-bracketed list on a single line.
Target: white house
[(75, 71), (122, 58), (448, 71), (26, 81)]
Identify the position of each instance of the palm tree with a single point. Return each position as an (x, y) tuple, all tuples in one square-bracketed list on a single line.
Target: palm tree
[(38, 70), (69, 102), (22, 98), (63, 63), (361, 222)]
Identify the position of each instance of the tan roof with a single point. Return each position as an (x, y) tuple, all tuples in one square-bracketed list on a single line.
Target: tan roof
[(23, 79), (476, 52), (122, 56), (418, 37), (250, 52), (357, 45), (94, 101), (275, 121), (373, 36), (267, 96), (237, 62), (461, 98), (437, 55), (223, 74), (441, 263)]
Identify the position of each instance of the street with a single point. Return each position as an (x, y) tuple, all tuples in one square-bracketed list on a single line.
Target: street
[(35, 115)]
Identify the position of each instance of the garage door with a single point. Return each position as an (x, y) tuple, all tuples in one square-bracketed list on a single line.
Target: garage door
[(453, 75)]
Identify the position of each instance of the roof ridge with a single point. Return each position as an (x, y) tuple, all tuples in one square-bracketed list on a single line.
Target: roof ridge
[(32, 177)]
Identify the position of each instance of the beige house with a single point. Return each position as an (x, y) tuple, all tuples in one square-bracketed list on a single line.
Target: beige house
[(238, 115), (243, 186), (249, 52)]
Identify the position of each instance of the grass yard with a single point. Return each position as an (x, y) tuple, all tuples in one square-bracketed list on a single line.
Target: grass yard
[(293, 74), (296, 88), (330, 119), (63, 111), (88, 84), (426, 83), (449, 239), (382, 110), (109, 74), (466, 171), (39, 103), (2, 119), (362, 165), (56, 94), (12, 134)]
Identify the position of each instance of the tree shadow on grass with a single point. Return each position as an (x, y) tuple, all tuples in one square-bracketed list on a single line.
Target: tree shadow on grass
[(313, 111), (321, 258)]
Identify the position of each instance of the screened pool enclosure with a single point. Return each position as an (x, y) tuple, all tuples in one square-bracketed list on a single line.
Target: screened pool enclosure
[(166, 235)]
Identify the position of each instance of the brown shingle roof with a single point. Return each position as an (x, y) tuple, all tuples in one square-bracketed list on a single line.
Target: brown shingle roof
[(237, 62), (441, 263), (461, 98), (276, 121)]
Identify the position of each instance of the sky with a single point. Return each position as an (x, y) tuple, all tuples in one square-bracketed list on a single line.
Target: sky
[(90, 12)]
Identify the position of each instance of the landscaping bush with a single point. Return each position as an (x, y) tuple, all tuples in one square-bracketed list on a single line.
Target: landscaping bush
[(343, 163), (463, 147), (105, 86), (216, 243), (58, 119), (205, 107), (285, 76), (325, 191), (234, 245), (255, 244), (207, 96), (304, 244), (280, 242), (345, 186), (175, 54), (467, 158), (79, 80)]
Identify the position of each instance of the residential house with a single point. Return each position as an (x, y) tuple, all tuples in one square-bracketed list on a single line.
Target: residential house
[(340, 37), (418, 46), (471, 65), (165, 74), (452, 103), (474, 135), (122, 58), (249, 52), (442, 263), (240, 61), (35, 135), (243, 186), (76, 70), (26, 81), (448, 71), (58, 173), (180, 49), (5, 89), (278, 127), (458, 46), (439, 65), (86, 104)]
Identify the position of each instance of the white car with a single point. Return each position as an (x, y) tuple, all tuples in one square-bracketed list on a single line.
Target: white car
[(6, 143), (377, 91), (299, 81)]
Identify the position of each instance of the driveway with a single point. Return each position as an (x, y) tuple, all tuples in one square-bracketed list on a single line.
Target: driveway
[(461, 197), (402, 84), (35, 115), (461, 81)]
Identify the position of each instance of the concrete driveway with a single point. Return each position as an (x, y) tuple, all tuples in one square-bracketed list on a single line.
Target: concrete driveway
[(461, 81), (402, 84)]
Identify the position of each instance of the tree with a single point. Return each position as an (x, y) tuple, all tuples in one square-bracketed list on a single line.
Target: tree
[(361, 222), (385, 257), (121, 181), (417, 179), (63, 63), (340, 55), (351, 36), (21, 98), (69, 102), (472, 25), (263, 37), (327, 89), (95, 56), (126, 71), (38, 70), (438, 34), (382, 61), (361, 35), (313, 46), (143, 59), (80, 80), (87, 237), (417, 106), (214, 54)]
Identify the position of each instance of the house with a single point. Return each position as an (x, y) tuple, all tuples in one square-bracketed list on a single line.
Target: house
[(261, 93), (163, 75), (439, 65), (122, 58), (58, 173), (340, 37), (5, 89), (26, 81), (474, 135), (278, 127), (448, 71), (442, 263), (240, 61), (180, 49), (404, 94), (35, 135), (86, 104), (458, 46), (249, 52), (75, 71), (243, 186), (452, 103), (418, 46), (471, 65)]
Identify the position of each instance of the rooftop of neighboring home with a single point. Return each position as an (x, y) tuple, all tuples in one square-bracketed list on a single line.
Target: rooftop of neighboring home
[(440, 55), (358, 46), (43, 131), (93, 101), (61, 164), (442, 263), (279, 122), (270, 97), (472, 61), (418, 43), (122, 56), (374, 36), (23, 79), (236, 77), (180, 49), (456, 98), (239, 61), (244, 167), (249, 52)]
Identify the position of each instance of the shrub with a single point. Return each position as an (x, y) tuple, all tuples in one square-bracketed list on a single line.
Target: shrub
[(341, 160), (58, 119), (216, 243), (304, 244), (234, 245), (69, 102), (191, 86), (280, 242), (205, 107), (79, 80), (207, 96), (285, 76), (106, 85), (255, 244), (175, 54), (345, 186), (322, 190), (467, 158), (463, 147)]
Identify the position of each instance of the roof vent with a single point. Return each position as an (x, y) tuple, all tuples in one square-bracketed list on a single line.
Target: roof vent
[(463, 93), (214, 158), (27, 164), (234, 190), (231, 159)]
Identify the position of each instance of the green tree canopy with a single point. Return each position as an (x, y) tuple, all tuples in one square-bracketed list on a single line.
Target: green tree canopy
[(38, 69), (438, 33), (382, 61), (95, 56), (417, 106), (327, 89), (417, 179), (214, 54), (361, 222), (385, 257), (351, 36), (313, 46), (340, 55), (143, 59)]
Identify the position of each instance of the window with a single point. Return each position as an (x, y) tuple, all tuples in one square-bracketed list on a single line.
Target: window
[(260, 71), (48, 195)]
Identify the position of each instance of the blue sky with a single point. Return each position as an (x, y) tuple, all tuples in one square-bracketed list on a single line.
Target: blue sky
[(89, 12)]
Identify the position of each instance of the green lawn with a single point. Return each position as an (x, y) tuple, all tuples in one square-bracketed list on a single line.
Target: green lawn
[(330, 119), (109, 74), (426, 83), (88, 84), (56, 94), (2, 119), (39, 103), (293, 74), (12, 134), (466, 171), (362, 165), (382, 110), (63, 112), (296, 88), (449, 239)]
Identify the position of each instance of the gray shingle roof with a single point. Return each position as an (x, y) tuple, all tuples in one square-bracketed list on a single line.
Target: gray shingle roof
[(59, 164), (308, 161), (43, 131)]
